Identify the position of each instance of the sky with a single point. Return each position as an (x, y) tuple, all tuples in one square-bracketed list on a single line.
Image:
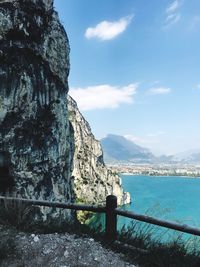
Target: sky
[(135, 69)]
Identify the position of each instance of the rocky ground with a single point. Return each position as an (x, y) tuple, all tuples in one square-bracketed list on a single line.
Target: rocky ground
[(59, 250)]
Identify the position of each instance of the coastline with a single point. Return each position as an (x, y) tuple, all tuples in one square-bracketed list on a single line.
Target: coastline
[(159, 175), (176, 170)]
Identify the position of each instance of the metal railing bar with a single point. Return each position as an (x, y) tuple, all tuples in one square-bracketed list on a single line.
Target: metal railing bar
[(163, 223), (56, 204), (111, 213)]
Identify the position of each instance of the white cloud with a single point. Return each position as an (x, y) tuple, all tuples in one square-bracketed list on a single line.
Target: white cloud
[(107, 30), (103, 96), (198, 86), (172, 19), (159, 91), (172, 14), (151, 141), (151, 138), (138, 140), (173, 7)]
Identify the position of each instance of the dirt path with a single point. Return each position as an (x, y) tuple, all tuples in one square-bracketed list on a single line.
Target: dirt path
[(61, 250)]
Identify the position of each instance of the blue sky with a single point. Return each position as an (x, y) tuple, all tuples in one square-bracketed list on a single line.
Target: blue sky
[(135, 69)]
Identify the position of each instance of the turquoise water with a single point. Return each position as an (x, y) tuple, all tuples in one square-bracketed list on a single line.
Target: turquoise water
[(172, 198)]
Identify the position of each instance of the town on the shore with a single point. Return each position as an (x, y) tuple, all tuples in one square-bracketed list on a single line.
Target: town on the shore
[(158, 169)]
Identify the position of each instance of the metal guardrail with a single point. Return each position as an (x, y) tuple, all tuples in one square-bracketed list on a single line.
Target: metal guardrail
[(61, 205), (111, 212), (167, 224)]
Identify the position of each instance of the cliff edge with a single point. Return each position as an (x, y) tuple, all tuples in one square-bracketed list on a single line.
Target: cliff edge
[(36, 144), (93, 181)]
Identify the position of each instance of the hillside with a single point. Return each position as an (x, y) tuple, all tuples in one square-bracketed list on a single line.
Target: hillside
[(190, 156), (93, 181), (117, 148), (47, 150)]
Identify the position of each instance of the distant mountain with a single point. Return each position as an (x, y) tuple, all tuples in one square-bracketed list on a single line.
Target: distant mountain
[(189, 156), (120, 150), (117, 148)]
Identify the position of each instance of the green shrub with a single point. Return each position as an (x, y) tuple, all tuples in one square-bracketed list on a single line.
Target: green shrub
[(149, 246)]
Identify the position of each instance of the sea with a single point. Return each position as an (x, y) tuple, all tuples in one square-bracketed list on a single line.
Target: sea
[(172, 198), (166, 197)]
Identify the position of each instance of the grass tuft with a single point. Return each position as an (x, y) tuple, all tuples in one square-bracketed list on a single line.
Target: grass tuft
[(150, 246)]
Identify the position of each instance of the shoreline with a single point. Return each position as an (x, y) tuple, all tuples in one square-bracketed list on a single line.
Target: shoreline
[(190, 171), (159, 175)]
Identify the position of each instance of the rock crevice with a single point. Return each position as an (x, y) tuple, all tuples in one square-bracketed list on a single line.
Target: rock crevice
[(37, 141), (34, 127)]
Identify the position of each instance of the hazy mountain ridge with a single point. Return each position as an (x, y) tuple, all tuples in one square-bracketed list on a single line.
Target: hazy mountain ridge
[(119, 149), (189, 156)]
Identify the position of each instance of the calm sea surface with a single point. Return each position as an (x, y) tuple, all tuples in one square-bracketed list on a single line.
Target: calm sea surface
[(172, 198)]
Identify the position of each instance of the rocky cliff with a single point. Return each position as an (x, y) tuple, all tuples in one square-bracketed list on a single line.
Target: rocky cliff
[(93, 181), (36, 143)]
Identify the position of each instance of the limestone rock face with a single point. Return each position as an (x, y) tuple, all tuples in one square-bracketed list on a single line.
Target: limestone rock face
[(93, 181), (36, 142)]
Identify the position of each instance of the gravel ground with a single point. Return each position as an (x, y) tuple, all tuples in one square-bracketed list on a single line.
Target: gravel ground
[(61, 250)]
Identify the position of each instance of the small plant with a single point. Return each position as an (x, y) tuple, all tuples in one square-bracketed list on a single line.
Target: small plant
[(14, 212), (152, 246), (7, 243)]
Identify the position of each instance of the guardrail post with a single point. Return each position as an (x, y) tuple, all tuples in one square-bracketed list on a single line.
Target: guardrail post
[(111, 218)]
